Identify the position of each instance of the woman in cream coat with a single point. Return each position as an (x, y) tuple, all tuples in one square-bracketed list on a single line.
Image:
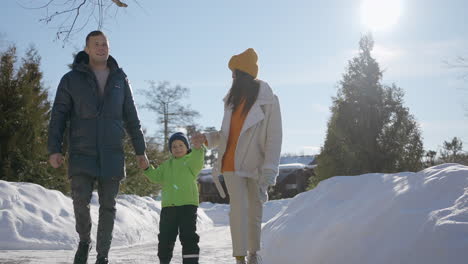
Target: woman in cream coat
[(249, 148)]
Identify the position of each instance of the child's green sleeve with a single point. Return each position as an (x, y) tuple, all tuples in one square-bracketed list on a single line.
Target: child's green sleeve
[(154, 175), (196, 160)]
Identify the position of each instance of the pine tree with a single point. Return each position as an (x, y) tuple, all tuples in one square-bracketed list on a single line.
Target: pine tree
[(452, 151), (24, 117), (136, 182), (370, 130), (430, 158), (9, 119)]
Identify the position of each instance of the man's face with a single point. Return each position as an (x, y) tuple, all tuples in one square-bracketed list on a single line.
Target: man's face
[(98, 49)]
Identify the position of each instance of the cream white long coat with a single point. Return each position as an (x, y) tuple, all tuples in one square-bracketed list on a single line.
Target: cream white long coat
[(258, 149)]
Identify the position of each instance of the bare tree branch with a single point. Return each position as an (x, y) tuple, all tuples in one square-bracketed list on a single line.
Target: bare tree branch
[(74, 20), (73, 15), (120, 4), (39, 7)]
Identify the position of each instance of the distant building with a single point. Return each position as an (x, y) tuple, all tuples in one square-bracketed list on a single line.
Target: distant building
[(293, 178), (303, 159), (207, 188)]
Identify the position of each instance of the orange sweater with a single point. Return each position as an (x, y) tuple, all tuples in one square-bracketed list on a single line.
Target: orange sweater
[(237, 121)]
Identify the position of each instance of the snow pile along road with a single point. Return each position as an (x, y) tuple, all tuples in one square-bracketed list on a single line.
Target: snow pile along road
[(32, 217), (375, 218)]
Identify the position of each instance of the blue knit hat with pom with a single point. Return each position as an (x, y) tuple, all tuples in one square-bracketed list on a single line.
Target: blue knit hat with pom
[(179, 136)]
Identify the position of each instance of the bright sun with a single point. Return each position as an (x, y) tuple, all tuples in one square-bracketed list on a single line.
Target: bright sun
[(380, 14)]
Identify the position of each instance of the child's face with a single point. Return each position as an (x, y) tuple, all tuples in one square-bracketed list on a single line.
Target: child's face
[(178, 148)]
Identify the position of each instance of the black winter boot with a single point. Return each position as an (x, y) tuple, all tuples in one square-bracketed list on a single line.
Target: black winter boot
[(102, 260), (81, 255)]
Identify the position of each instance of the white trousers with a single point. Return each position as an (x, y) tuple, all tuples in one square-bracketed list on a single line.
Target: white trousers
[(245, 216)]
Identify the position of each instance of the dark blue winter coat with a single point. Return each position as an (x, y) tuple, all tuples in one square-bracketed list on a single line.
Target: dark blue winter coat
[(97, 123)]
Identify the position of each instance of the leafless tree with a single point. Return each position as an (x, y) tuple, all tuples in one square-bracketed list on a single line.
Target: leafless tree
[(165, 101), (71, 16)]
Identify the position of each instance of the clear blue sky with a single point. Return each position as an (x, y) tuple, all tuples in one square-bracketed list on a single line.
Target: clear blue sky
[(303, 48)]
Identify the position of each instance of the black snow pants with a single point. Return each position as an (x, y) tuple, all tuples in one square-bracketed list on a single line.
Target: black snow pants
[(175, 220)]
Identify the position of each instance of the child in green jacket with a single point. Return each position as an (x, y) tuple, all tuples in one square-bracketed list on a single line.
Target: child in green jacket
[(178, 177)]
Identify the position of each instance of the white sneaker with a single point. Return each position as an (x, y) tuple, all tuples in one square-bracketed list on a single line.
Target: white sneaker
[(254, 258)]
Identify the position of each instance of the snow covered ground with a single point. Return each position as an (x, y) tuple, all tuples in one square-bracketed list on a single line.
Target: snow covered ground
[(373, 218), (215, 248)]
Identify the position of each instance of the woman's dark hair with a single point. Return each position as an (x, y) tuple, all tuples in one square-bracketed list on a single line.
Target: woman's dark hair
[(244, 87)]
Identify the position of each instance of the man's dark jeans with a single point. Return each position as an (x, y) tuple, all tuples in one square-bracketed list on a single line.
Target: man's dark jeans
[(82, 188)]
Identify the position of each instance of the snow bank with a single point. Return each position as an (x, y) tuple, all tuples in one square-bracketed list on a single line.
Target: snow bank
[(375, 218), (32, 217)]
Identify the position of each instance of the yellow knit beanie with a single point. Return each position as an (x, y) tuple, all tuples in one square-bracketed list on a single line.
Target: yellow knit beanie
[(246, 62)]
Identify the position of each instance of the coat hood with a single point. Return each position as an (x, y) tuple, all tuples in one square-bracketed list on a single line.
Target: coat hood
[(81, 62), (265, 94)]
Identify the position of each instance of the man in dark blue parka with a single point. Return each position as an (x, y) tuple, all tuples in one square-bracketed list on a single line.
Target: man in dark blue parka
[(96, 99)]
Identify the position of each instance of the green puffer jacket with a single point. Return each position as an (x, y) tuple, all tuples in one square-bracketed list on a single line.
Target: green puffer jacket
[(178, 177)]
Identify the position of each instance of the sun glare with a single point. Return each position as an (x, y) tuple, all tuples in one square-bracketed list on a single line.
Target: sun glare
[(378, 15)]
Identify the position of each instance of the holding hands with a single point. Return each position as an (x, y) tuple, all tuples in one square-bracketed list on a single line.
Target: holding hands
[(198, 139), (142, 161)]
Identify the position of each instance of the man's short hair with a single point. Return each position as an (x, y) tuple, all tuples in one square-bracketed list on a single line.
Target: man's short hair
[(93, 34)]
